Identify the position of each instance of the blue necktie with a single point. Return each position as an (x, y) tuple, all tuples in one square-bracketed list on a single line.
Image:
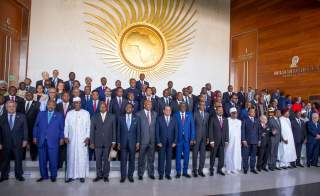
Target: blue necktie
[(128, 122), (49, 116), (11, 121)]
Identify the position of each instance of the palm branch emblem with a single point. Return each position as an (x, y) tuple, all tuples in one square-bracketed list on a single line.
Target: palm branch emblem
[(142, 36)]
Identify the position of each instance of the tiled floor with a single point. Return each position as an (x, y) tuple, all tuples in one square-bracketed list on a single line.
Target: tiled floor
[(194, 186)]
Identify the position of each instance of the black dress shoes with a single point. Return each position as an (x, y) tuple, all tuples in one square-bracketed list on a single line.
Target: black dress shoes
[(265, 169), (278, 168), (194, 174), (160, 177), (245, 171), (97, 179), (53, 179), (106, 179), (122, 180), (300, 165), (82, 180), (202, 174), (187, 175), (152, 177), (41, 179), (69, 180), (178, 175), (20, 178), (221, 173), (140, 178), (168, 177), (211, 173), (130, 178), (4, 179), (254, 171)]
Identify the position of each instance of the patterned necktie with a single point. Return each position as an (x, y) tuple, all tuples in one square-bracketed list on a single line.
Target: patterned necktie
[(182, 119), (11, 121)]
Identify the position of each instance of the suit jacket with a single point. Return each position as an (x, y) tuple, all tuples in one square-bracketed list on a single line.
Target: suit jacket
[(18, 100), (264, 134), (116, 109), (201, 125), (241, 99), (39, 82), (312, 131), (54, 84), (67, 86), (103, 133), (186, 130), (60, 109), (18, 134), (31, 114), (139, 84), (274, 124), (147, 132), (189, 104), (90, 108), (226, 97), (131, 135), (250, 131), (166, 132), (174, 106), (52, 131), (101, 92), (218, 134), (162, 104), (299, 131)]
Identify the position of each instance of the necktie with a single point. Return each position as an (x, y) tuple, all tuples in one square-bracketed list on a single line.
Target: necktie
[(149, 118), (202, 115), (107, 104), (167, 120), (28, 106), (167, 101), (49, 117), (221, 122), (11, 121), (119, 101), (12, 98), (252, 119), (88, 98), (299, 122), (94, 106), (182, 119), (65, 108), (128, 121)]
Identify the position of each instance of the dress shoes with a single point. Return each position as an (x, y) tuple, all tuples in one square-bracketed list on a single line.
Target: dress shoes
[(178, 175), (221, 173), (168, 177), (187, 175), (130, 178), (106, 179), (254, 171), (82, 180), (152, 177), (97, 179), (53, 179), (160, 177), (69, 180), (122, 180), (202, 174), (20, 178)]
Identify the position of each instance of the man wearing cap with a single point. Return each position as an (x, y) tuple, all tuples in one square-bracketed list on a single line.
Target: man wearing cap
[(250, 141), (77, 134), (233, 150), (275, 136)]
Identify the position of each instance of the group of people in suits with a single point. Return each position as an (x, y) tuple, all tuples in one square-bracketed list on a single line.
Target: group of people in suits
[(135, 120)]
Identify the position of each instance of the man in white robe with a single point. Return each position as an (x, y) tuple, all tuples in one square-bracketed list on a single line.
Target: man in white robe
[(287, 150), (77, 134), (233, 150)]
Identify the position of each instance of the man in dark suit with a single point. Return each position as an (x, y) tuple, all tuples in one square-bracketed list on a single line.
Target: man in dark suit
[(141, 82), (218, 138), (55, 78), (176, 102), (201, 120), (241, 97), (135, 103), (48, 135), (233, 103), (118, 104), (102, 140), (13, 96), (68, 85), (128, 142), (250, 140), (299, 131), (188, 100), (101, 88), (86, 98), (164, 101), (147, 119), (172, 91), (29, 88), (313, 139), (150, 98), (117, 85), (64, 107), (45, 76), (30, 110), (186, 137), (166, 139), (13, 138), (94, 103), (226, 96), (133, 89), (275, 137)]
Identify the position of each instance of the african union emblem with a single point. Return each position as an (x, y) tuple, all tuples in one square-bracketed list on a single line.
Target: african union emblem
[(142, 36)]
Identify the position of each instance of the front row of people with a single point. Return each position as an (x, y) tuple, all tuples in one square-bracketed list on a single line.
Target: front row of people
[(276, 141)]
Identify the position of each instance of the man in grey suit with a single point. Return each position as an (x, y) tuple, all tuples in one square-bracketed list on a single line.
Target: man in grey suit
[(147, 137), (275, 127), (201, 119), (188, 100), (103, 139)]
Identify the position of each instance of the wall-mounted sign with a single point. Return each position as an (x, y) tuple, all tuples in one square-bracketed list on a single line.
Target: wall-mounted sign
[(295, 70)]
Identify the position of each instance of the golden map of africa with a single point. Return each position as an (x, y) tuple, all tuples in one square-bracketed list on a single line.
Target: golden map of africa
[(142, 47)]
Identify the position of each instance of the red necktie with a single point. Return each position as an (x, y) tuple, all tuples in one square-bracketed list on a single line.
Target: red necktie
[(94, 106), (182, 119)]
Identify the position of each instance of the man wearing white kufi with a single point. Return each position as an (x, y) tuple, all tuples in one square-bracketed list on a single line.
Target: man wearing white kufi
[(233, 150), (77, 134)]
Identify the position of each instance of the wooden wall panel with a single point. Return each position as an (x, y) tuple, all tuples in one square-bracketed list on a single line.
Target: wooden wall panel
[(285, 29)]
